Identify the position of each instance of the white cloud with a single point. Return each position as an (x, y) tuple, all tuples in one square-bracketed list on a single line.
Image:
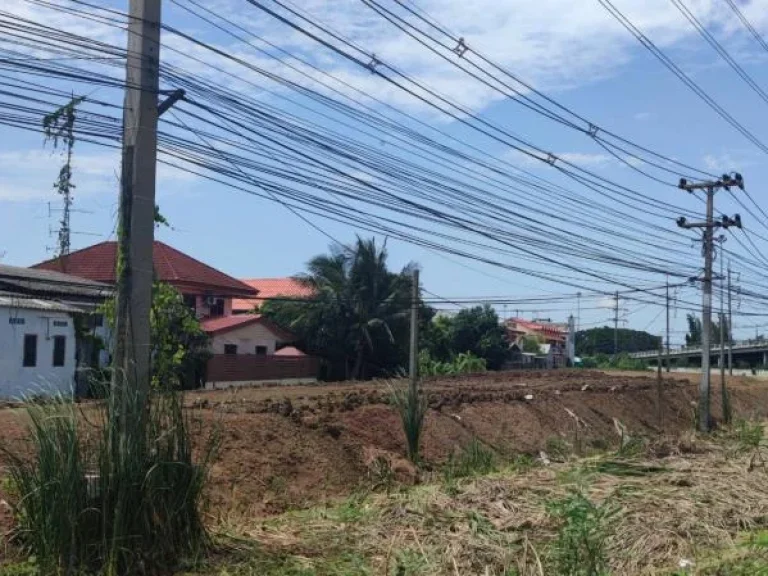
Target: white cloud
[(734, 160), (641, 116), (27, 175), (583, 159), (554, 44)]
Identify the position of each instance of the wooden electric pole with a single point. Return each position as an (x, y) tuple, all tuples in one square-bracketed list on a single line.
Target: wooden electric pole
[(414, 351), (137, 202), (709, 226)]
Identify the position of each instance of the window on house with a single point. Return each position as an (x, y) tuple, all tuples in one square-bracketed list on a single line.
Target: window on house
[(98, 320), (261, 350), (217, 308), (190, 301), (230, 348), (30, 350), (59, 350)]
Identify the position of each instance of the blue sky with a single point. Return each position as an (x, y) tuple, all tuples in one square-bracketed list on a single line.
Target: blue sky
[(574, 51)]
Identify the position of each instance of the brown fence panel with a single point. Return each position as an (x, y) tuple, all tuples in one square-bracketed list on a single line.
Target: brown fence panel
[(250, 367)]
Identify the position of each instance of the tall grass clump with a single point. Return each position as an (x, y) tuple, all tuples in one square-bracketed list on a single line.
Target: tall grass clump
[(412, 407), (110, 488)]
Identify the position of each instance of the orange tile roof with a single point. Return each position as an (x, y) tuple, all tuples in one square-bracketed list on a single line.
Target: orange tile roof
[(270, 288), (220, 324), (289, 351), (98, 262)]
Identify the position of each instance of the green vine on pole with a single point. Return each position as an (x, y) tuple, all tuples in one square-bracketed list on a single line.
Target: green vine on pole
[(60, 125)]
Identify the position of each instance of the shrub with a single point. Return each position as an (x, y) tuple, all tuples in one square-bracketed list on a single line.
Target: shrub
[(464, 363), (104, 493), (580, 546)]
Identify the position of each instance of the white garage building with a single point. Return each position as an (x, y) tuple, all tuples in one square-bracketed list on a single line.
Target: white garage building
[(38, 346)]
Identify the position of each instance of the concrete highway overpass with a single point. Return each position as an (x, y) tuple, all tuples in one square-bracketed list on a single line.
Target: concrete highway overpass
[(746, 354)]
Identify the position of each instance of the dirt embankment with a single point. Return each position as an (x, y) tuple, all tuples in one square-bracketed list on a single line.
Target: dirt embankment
[(287, 447), (295, 446)]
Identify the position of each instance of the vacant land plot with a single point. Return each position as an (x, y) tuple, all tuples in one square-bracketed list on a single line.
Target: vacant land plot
[(301, 450), (702, 508)]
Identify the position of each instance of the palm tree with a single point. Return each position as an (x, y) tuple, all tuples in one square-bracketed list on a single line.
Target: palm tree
[(356, 301)]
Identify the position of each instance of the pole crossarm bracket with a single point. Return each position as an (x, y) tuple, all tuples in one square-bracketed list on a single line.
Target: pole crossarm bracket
[(173, 97)]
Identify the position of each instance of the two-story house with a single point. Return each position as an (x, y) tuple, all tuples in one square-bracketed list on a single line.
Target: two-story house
[(242, 345)]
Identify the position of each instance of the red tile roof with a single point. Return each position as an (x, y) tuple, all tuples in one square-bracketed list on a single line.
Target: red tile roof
[(221, 324), (98, 262), (548, 330), (289, 351), (270, 288)]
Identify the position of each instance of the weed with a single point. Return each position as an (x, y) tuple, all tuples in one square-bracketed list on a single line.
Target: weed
[(580, 546), (631, 447), (622, 468), (557, 448), (27, 568), (412, 407), (352, 510), (473, 459), (749, 434), (381, 475), (522, 463), (410, 562), (276, 484)]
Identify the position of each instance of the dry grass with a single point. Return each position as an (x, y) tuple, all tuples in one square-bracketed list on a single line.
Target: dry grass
[(687, 505)]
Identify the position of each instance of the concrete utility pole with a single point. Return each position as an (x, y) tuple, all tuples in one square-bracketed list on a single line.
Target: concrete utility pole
[(414, 355), (710, 187), (137, 199), (659, 407), (668, 359), (616, 325), (723, 389), (730, 325)]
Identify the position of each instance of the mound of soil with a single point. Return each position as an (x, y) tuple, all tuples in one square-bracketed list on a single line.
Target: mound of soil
[(284, 447)]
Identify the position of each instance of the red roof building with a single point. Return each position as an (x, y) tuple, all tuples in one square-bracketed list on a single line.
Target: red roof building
[(270, 288), (186, 274), (219, 325), (548, 333)]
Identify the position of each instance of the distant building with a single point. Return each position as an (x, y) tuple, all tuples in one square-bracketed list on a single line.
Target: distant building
[(267, 289), (545, 332), (555, 343), (40, 352)]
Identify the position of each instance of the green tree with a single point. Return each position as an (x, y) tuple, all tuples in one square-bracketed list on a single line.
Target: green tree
[(357, 319), (435, 339), (601, 341), (531, 345), (180, 348), (478, 331), (695, 330), (693, 337)]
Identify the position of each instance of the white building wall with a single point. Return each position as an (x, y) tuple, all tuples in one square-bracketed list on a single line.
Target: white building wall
[(246, 339), (17, 381)]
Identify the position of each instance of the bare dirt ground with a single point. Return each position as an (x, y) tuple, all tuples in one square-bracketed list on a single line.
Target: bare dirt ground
[(297, 446)]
